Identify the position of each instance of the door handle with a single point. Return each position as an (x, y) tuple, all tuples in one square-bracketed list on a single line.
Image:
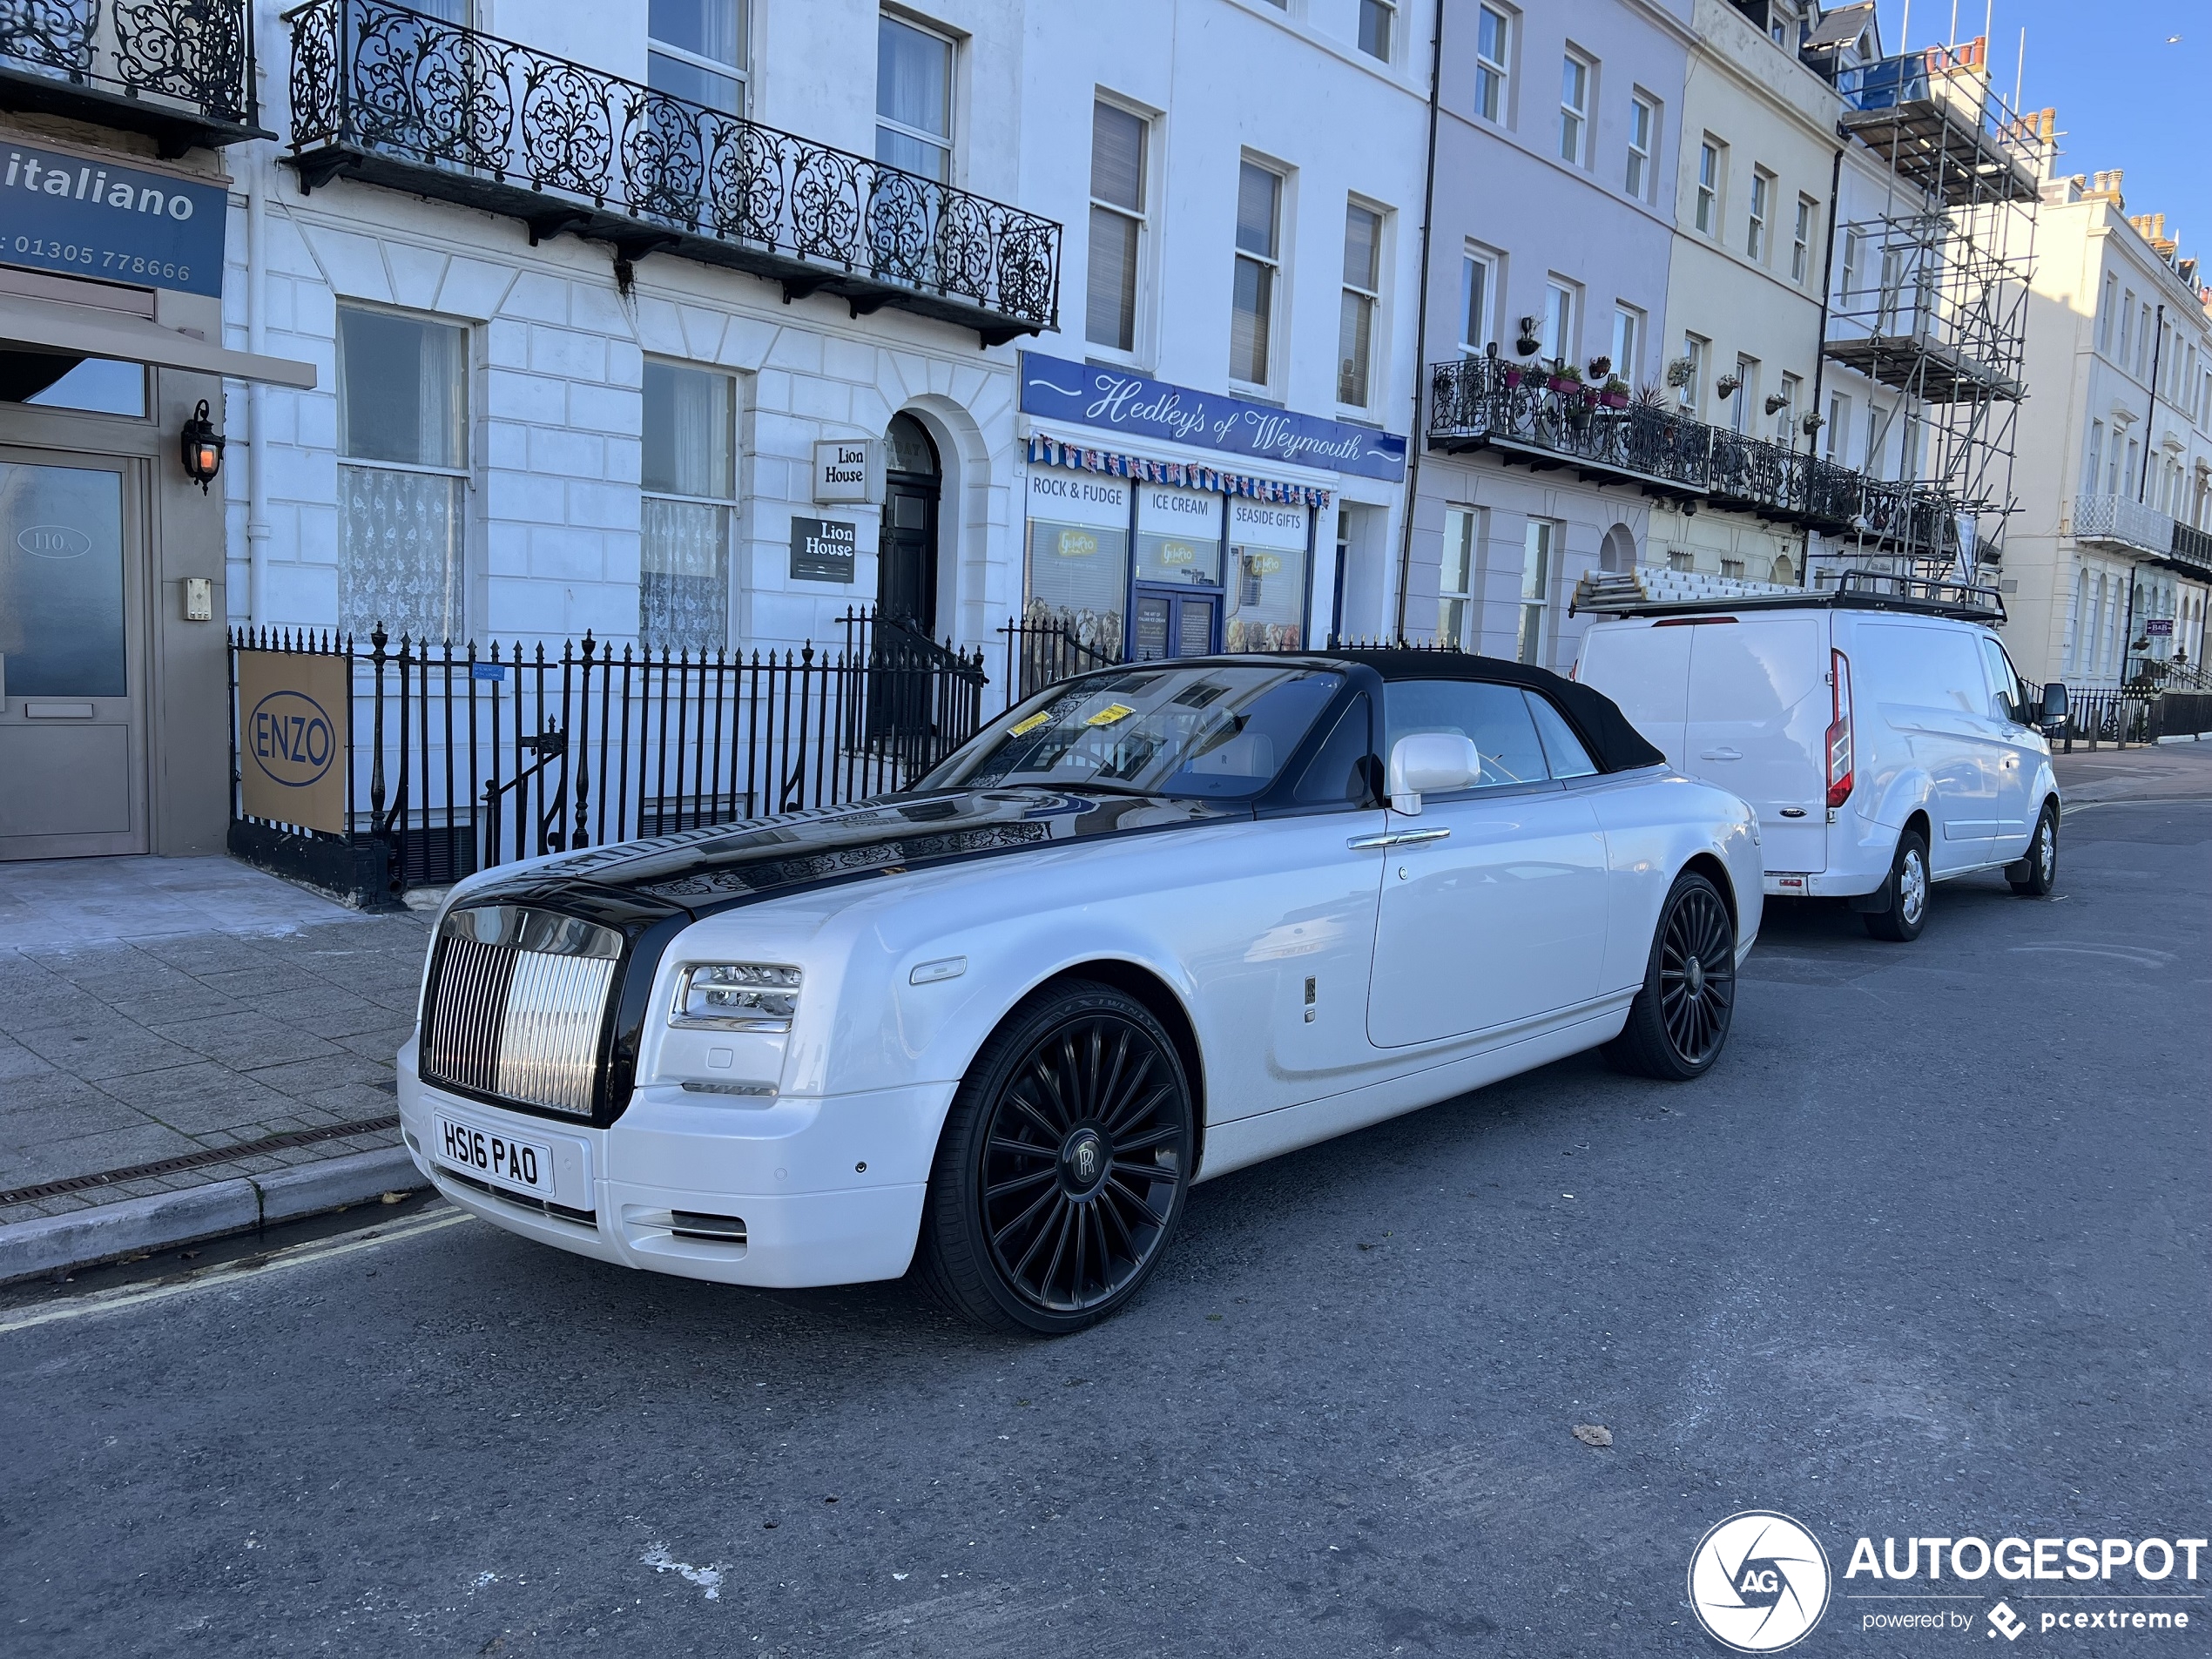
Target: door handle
[(1720, 754), (1399, 837)]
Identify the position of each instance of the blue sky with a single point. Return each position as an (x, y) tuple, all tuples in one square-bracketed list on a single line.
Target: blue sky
[(2124, 97)]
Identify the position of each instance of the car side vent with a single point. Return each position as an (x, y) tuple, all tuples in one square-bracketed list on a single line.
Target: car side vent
[(720, 1229), (517, 998)]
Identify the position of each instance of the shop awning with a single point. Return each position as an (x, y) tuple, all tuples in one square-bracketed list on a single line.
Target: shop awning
[(59, 328)]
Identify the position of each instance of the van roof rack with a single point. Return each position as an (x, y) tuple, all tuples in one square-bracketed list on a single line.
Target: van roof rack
[(1651, 592)]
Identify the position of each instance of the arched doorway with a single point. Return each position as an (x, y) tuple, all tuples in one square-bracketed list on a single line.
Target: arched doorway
[(906, 581), (1616, 555)]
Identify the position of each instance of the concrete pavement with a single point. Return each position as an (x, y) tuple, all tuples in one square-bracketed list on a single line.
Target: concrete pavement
[(188, 1047)]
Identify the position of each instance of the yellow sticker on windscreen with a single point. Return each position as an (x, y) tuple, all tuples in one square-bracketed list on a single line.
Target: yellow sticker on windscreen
[(1029, 724), (1110, 713)]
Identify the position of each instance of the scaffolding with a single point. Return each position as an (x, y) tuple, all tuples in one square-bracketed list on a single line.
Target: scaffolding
[(1931, 302)]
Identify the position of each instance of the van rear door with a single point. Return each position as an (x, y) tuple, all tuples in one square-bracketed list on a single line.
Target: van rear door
[(1756, 724), (1646, 671)]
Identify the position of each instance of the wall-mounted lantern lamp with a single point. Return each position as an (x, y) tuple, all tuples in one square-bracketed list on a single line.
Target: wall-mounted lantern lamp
[(202, 447)]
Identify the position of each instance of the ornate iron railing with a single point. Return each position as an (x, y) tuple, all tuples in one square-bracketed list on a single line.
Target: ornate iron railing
[(2192, 547), (462, 757), (182, 70), (1483, 400), (393, 96)]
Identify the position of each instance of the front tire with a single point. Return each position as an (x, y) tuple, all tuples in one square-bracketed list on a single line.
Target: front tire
[(1680, 1020), (1907, 892), (1063, 1168), (2035, 875)]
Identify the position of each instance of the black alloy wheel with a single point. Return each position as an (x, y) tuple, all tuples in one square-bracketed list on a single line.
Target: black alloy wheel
[(1679, 1022), (1062, 1167), (2035, 875)]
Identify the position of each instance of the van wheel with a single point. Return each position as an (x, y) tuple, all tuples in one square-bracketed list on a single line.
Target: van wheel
[(1062, 1171), (2035, 875), (1907, 893), (1678, 1024)]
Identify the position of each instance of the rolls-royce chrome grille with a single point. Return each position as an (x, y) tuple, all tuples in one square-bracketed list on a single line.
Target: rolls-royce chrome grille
[(517, 997)]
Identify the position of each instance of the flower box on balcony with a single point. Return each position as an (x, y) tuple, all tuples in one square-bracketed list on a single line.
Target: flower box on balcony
[(1614, 400), (1513, 378), (1562, 385)]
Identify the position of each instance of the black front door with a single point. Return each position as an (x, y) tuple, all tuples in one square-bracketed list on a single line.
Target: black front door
[(1175, 622), (906, 561)]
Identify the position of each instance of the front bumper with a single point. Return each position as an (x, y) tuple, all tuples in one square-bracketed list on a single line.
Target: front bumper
[(829, 1189)]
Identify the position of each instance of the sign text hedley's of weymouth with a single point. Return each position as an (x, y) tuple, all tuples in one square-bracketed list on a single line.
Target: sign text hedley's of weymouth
[(1120, 401), (64, 212)]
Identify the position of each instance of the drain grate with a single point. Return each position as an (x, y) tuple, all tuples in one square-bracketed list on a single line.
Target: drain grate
[(198, 1160)]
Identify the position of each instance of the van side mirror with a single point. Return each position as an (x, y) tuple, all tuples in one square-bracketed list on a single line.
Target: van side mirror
[(1431, 763), (2055, 706)]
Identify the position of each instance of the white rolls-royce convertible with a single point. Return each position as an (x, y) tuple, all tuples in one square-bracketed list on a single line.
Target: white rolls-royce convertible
[(1152, 925)]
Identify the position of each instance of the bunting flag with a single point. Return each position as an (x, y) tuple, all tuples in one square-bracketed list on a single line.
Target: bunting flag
[(1184, 475)]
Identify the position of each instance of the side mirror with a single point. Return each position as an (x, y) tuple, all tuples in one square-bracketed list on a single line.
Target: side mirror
[(2055, 706), (1431, 763)]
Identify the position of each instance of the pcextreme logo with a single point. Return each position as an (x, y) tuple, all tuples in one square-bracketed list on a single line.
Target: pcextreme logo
[(1758, 1581)]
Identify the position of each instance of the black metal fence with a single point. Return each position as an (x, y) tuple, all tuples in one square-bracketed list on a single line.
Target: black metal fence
[(462, 758), (1043, 650), (2120, 716)]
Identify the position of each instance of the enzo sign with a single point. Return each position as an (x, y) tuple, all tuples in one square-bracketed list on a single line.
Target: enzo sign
[(292, 739)]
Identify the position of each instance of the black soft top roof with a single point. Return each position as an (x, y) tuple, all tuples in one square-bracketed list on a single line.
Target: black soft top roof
[(1612, 743)]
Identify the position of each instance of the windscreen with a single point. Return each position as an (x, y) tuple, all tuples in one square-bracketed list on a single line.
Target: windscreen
[(1211, 731)]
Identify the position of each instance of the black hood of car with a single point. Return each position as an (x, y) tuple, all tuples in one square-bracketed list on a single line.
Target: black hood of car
[(703, 871)]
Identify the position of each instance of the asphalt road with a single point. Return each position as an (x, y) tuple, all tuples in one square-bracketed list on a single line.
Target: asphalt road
[(1926, 1255)]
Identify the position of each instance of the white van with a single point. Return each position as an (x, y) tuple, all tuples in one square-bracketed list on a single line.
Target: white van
[(1877, 729)]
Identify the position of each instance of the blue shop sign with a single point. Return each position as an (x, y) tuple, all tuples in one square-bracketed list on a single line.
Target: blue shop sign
[(1130, 404), (64, 212)]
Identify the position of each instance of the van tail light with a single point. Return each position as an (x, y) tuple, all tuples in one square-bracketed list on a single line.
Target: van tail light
[(1839, 747)]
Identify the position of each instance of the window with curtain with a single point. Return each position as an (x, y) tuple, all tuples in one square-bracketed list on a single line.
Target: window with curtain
[(688, 476), (1363, 229), (914, 99), (695, 49), (1117, 145), (1259, 213), (403, 474)]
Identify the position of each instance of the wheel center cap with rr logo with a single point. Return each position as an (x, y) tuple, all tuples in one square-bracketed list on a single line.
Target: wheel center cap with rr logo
[(1084, 1159)]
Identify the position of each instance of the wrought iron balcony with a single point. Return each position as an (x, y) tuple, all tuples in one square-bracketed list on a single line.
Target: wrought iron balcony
[(179, 71), (2192, 549), (2122, 521), (385, 94), (1486, 402)]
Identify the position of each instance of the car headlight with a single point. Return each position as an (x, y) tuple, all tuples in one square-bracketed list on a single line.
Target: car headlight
[(735, 996)]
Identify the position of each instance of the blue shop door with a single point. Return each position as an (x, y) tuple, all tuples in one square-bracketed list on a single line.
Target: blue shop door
[(1173, 622)]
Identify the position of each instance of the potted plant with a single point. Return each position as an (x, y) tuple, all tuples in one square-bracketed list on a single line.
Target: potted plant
[(1727, 386), (1514, 375), (1615, 394), (1566, 378)]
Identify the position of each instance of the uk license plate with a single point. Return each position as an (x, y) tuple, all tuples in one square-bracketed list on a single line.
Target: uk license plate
[(489, 1155)]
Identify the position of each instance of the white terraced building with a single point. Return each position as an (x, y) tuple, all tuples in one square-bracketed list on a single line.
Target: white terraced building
[(2112, 551)]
